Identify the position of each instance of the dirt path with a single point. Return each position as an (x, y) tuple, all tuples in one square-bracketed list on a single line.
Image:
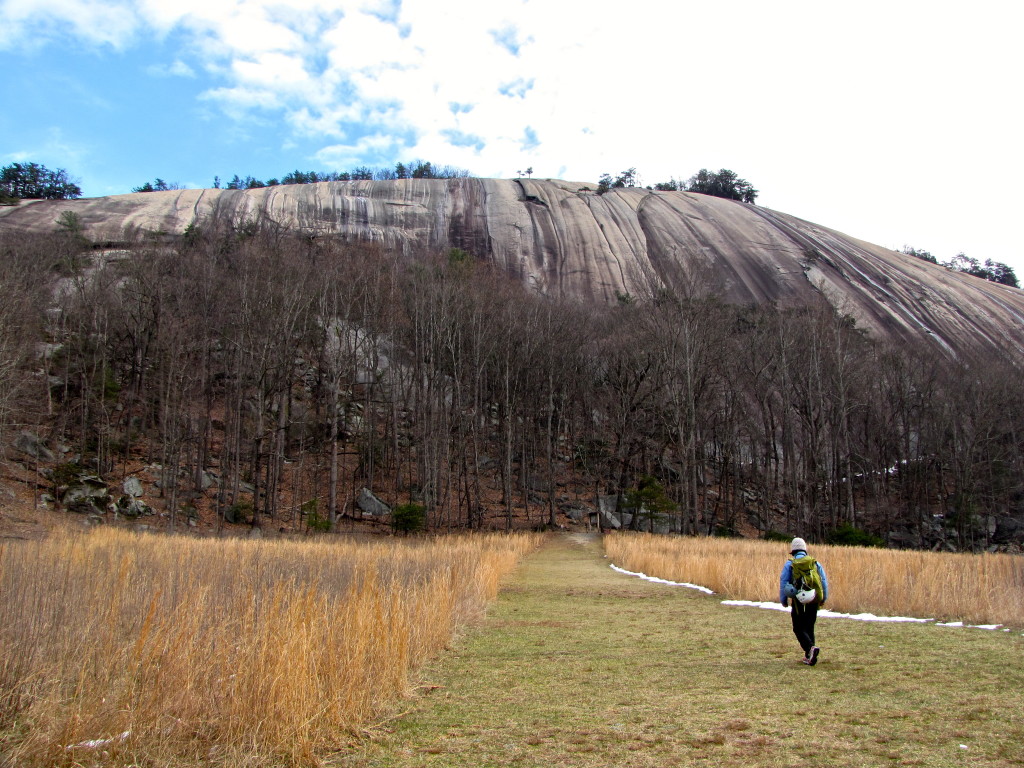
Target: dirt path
[(577, 665)]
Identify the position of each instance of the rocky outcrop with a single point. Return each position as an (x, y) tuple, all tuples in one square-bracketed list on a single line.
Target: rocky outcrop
[(562, 238), (32, 445)]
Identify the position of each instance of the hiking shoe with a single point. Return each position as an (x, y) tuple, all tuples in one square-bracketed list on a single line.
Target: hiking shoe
[(813, 658)]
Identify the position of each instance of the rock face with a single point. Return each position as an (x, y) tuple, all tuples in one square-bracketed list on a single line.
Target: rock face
[(562, 238)]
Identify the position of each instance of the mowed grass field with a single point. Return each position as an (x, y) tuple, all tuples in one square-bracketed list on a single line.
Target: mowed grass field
[(577, 665)]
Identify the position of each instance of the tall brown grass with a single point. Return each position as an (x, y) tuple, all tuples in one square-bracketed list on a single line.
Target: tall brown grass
[(117, 648), (979, 589)]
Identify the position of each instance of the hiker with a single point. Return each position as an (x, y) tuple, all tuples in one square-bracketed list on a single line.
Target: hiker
[(803, 580)]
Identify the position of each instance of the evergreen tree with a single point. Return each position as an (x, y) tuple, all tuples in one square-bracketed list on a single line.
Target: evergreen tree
[(725, 184), (32, 181)]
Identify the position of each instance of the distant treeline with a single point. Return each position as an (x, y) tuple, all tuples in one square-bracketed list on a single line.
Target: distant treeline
[(722, 183), (417, 169), (993, 271), (295, 371), (32, 181)]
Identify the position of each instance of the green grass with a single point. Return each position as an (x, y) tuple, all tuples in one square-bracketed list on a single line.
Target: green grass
[(576, 665)]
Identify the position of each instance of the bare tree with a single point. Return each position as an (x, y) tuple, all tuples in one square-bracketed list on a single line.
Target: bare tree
[(24, 294)]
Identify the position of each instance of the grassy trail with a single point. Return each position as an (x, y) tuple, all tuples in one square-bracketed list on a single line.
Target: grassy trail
[(577, 665)]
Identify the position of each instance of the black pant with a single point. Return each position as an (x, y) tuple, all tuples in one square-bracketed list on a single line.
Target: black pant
[(804, 615)]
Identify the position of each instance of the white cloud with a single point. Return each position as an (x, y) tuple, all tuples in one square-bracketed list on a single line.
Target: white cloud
[(17, 157), (273, 71), (34, 23), (177, 68), (180, 69), (52, 149), (238, 100), (347, 156), (360, 42)]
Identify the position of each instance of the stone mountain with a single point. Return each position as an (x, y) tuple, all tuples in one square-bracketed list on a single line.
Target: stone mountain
[(563, 238)]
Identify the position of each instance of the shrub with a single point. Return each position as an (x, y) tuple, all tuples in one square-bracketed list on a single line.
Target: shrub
[(847, 535), (314, 520), (317, 524), (408, 518), (64, 474), (239, 512)]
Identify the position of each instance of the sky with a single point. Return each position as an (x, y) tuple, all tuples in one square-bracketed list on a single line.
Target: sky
[(896, 122)]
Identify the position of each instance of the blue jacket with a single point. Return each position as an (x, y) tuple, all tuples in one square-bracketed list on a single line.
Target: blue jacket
[(787, 575)]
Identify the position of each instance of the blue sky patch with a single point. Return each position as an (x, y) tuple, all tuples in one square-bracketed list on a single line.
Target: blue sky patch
[(508, 38), (517, 88), (530, 140), (460, 139)]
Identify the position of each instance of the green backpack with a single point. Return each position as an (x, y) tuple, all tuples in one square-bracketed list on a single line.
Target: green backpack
[(806, 576)]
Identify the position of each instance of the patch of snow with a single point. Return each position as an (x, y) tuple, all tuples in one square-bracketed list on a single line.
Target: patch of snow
[(768, 606), (656, 580), (97, 743), (825, 613)]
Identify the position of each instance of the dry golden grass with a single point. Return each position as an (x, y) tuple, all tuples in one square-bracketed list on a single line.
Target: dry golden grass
[(118, 649), (979, 589)]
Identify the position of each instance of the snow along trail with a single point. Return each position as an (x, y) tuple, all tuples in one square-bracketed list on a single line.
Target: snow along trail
[(656, 580), (824, 613)]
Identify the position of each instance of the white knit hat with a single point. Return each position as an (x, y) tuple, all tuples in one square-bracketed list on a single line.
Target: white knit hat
[(798, 544)]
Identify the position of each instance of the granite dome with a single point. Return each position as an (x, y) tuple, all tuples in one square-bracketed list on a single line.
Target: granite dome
[(562, 238)]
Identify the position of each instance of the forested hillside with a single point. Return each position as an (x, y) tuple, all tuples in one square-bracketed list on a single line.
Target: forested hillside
[(270, 376)]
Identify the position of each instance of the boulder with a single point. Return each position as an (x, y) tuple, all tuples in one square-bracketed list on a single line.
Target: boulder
[(904, 539), (129, 506), (609, 520), (371, 505), (32, 445), (576, 513), (87, 494), (616, 515), (132, 486), (1009, 529)]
